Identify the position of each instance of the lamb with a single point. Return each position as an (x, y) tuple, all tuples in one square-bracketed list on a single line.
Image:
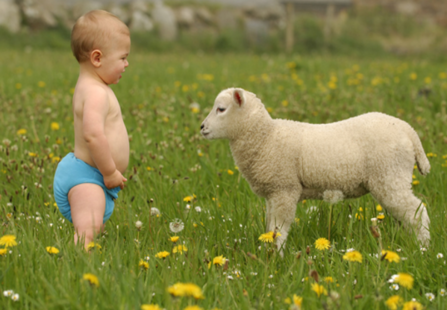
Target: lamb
[(287, 161)]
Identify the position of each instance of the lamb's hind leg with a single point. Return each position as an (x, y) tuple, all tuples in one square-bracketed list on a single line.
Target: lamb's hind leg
[(399, 200), (282, 208)]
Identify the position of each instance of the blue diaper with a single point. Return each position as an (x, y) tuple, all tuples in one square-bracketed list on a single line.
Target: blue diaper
[(72, 171)]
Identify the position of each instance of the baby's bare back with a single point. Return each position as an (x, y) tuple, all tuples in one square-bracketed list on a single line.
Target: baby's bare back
[(113, 127)]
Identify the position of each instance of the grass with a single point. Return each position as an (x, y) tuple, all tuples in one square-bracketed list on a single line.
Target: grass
[(170, 161)]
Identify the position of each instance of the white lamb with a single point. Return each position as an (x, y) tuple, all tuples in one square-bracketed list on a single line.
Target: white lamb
[(286, 161)]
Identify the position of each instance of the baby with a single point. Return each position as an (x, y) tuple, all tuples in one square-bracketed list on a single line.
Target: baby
[(87, 181)]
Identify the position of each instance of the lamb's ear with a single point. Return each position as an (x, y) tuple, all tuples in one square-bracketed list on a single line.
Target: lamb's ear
[(238, 96)]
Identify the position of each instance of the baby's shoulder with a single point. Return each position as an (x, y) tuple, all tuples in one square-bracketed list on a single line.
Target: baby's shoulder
[(88, 92)]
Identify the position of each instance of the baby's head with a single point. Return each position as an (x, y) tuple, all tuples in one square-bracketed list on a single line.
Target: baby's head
[(96, 30)]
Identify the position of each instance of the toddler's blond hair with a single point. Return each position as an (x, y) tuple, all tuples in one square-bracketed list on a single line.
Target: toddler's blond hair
[(92, 31)]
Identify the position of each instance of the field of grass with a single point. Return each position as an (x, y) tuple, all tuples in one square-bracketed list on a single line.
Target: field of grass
[(172, 168)]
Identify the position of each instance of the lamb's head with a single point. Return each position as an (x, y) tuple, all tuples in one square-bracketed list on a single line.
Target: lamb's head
[(231, 112)]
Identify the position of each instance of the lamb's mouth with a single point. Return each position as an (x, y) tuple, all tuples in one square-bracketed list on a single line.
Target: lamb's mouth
[(205, 133)]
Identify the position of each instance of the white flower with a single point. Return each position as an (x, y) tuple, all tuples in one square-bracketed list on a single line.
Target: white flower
[(393, 278), (8, 293), (439, 255), (442, 292), (155, 211), (138, 224), (198, 209), (188, 207), (230, 277), (423, 250), (394, 287), (430, 296), (311, 209), (176, 226), (15, 297)]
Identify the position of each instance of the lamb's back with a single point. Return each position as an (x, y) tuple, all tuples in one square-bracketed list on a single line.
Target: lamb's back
[(343, 152)]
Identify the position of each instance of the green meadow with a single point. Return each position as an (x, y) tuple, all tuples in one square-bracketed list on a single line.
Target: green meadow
[(164, 98)]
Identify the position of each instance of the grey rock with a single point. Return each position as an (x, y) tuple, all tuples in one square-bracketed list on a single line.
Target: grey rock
[(141, 22), (82, 7), (139, 5), (164, 19), (257, 30), (10, 15), (119, 12), (185, 17)]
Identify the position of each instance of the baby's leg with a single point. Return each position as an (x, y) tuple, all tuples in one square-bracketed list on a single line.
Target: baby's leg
[(87, 203)]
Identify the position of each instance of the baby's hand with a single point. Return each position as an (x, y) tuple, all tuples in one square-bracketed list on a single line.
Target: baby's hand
[(114, 180)]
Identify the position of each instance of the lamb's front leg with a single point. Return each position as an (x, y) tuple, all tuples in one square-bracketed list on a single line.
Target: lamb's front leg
[(267, 215), (281, 208)]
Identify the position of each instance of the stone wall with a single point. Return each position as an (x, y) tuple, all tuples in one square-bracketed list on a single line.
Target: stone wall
[(256, 17)]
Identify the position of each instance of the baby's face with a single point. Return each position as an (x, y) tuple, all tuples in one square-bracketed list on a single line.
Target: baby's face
[(114, 60)]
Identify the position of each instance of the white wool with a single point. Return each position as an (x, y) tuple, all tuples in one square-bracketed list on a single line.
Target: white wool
[(286, 161)]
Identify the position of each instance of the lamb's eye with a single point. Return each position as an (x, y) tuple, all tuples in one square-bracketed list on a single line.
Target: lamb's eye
[(220, 109)]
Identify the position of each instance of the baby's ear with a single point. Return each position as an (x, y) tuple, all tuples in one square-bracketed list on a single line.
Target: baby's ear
[(238, 96), (95, 58)]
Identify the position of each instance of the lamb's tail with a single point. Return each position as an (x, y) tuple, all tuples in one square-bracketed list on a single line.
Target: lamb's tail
[(421, 158)]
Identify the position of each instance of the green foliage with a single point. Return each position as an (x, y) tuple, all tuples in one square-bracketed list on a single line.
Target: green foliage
[(155, 94)]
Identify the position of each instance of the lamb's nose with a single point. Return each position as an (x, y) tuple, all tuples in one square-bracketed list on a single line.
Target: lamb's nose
[(201, 127)]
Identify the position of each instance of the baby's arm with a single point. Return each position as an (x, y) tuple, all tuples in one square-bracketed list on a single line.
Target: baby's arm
[(96, 108)]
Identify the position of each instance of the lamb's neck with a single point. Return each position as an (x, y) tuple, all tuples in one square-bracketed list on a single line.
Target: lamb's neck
[(246, 147)]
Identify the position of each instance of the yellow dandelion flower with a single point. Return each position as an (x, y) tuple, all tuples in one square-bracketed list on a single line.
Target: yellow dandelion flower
[(322, 244), (188, 198), (174, 238), (288, 300), (148, 168), (416, 182), (353, 256), (31, 154), (412, 305), (297, 220), (298, 300), (379, 208), (219, 260), (3, 251), (405, 280), (195, 110), (186, 290), (162, 254), (390, 256), (328, 280), (54, 126), (91, 278), (230, 172), (194, 224), (143, 264), (41, 84), (180, 249), (394, 302), (413, 76), (269, 237), (381, 216), (18, 85), (52, 250), (319, 289), (150, 307), (193, 308), (8, 241), (21, 132), (92, 245)]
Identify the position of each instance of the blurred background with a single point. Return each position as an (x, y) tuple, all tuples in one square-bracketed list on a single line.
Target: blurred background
[(400, 27)]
